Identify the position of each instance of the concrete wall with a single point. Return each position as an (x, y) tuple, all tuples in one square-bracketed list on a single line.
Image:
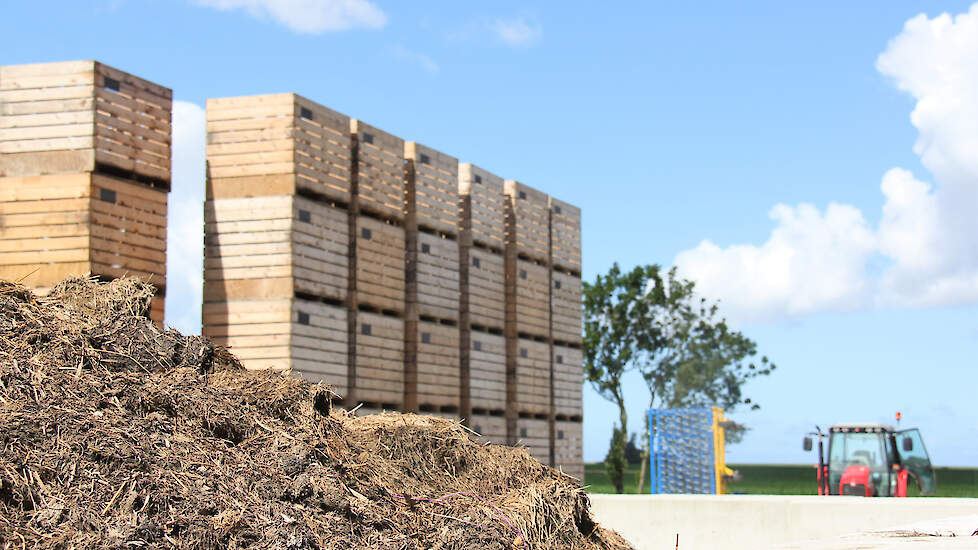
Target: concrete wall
[(734, 522)]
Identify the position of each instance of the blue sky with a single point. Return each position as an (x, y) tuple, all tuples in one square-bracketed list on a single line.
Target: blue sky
[(678, 127)]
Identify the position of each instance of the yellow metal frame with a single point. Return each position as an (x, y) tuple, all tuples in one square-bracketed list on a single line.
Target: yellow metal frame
[(720, 469)]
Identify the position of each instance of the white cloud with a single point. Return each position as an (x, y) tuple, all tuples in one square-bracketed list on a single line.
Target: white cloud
[(185, 227), (422, 60), (309, 16), (927, 238), (517, 32), (812, 261)]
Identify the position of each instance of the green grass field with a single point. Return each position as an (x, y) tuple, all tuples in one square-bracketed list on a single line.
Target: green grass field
[(774, 479)]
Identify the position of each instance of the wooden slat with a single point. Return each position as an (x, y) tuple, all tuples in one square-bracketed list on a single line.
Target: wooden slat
[(44, 275), (43, 163), (47, 75)]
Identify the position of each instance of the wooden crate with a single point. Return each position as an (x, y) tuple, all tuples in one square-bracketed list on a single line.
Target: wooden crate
[(532, 306), (380, 264), (55, 226), (486, 288), (380, 171), (279, 144), (273, 247), (437, 277), (259, 332), (157, 310), (434, 189), (567, 320), (568, 373), (483, 220), (319, 343), (569, 448), (487, 372), (128, 230), (306, 336), (532, 377), (565, 236), (380, 360), (534, 434), (527, 220), (491, 428), (83, 116), (438, 367)]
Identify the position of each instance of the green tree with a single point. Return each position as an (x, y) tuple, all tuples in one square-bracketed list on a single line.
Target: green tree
[(618, 327), (653, 322), (633, 453), (614, 462), (698, 360)]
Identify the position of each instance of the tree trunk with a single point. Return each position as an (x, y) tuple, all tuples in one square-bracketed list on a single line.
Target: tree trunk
[(646, 453), (620, 449), (615, 461)]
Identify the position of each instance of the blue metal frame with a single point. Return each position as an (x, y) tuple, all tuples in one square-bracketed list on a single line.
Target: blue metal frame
[(681, 457)]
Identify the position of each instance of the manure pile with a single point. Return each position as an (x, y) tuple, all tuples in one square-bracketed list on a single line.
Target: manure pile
[(116, 434)]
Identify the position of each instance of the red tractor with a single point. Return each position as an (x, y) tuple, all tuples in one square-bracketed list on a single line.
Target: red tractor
[(872, 460)]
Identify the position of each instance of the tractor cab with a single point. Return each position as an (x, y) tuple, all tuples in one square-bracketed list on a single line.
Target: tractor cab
[(873, 460)]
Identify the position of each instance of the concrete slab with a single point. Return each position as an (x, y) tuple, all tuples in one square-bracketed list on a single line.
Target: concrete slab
[(736, 522), (949, 533)]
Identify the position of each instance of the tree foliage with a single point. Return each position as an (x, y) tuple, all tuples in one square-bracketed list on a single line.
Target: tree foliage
[(616, 330), (697, 359)]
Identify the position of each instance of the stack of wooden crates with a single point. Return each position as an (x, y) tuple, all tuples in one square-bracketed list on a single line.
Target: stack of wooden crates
[(404, 279), (333, 249), (543, 325), (276, 257), (84, 175), (377, 274), (565, 323), (482, 312)]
